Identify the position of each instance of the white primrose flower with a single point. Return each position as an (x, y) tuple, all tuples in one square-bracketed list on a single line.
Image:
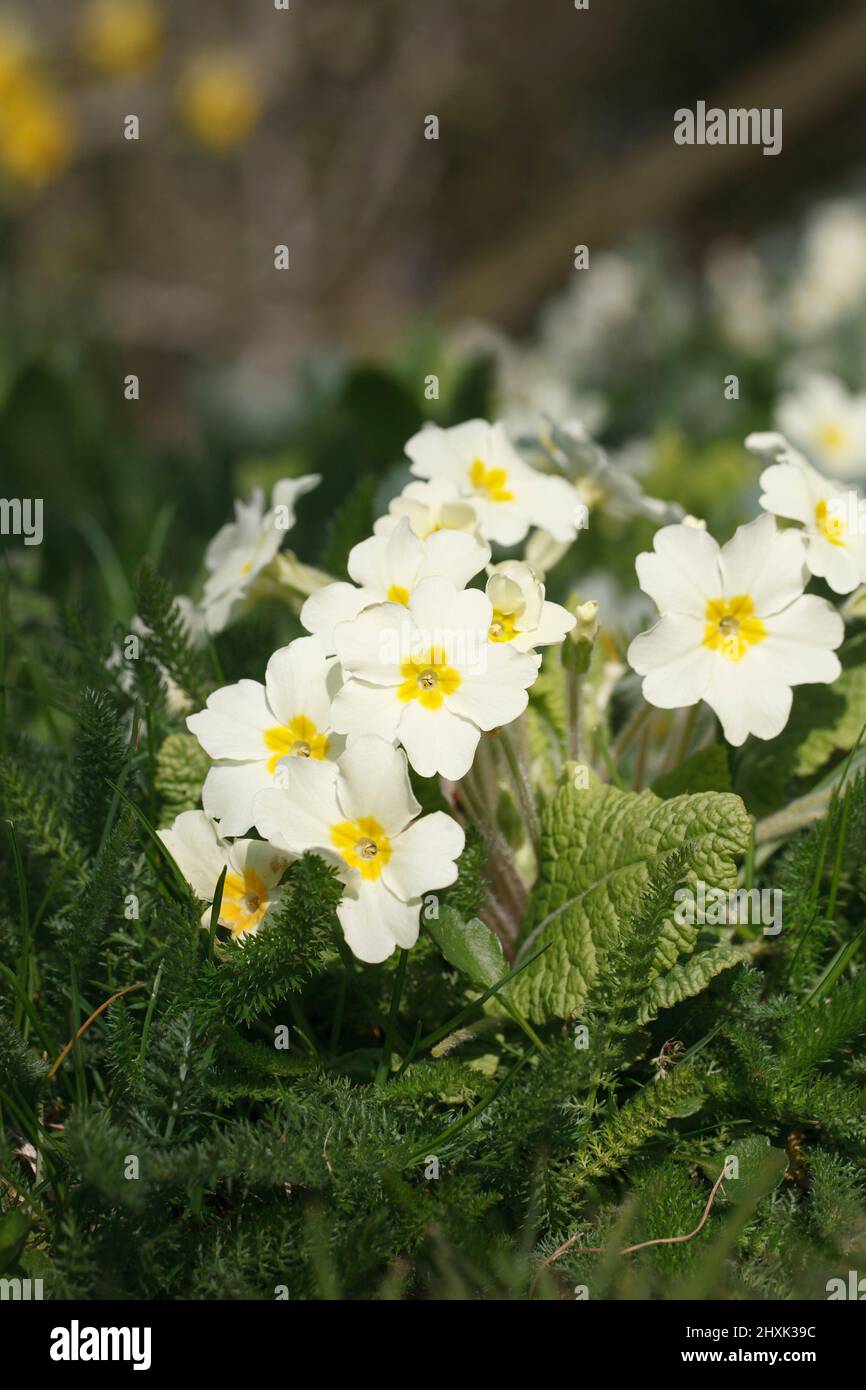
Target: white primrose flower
[(250, 889), (828, 423), (436, 505), (360, 814), (736, 629), (193, 622), (428, 676), (507, 493), (253, 729), (388, 568), (522, 616), (830, 281), (242, 548), (833, 516)]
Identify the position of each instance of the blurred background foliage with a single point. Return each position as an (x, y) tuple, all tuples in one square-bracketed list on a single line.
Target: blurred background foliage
[(409, 256)]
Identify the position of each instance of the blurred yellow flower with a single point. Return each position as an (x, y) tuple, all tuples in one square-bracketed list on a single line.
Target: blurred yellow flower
[(219, 100), (122, 36), (36, 141)]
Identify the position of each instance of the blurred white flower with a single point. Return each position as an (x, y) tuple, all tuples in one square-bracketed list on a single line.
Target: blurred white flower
[(595, 306), (828, 423), (532, 383), (242, 548), (193, 620), (830, 282), (360, 813), (608, 480), (542, 552), (736, 629), (741, 296)]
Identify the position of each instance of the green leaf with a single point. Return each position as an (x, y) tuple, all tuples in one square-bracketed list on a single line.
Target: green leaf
[(548, 693), (599, 846), (14, 1230), (705, 771), (350, 524), (688, 978), (755, 1157), (469, 946)]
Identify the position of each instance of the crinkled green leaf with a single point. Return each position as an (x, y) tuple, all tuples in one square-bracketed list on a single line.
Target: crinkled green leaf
[(181, 767), (598, 847), (688, 978)]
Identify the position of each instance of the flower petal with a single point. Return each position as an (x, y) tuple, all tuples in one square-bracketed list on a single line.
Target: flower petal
[(767, 564), (374, 781), (683, 571), (367, 709), (424, 856), (786, 493), (372, 646), (492, 691), (298, 815), (374, 922), (454, 555), (257, 857), (195, 847), (332, 604), (437, 741), (233, 723), (296, 682), (748, 698), (229, 792)]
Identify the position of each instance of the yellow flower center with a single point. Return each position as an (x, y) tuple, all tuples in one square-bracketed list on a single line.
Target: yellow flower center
[(428, 678), (363, 844), (502, 627), (397, 594), (244, 901), (298, 739), (830, 524), (493, 482), (731, 626), (833, 438)]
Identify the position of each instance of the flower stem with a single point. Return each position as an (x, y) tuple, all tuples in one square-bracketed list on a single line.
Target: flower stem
[(481, 793), (384, 1069), (515, 755), (632, 727), (572, 705)]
